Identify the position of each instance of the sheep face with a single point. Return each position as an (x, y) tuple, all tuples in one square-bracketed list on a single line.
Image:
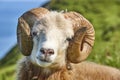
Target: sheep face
[(50, 36)]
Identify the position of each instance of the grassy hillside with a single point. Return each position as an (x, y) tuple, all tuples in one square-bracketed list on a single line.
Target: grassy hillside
[(105, 17), (8, 64)]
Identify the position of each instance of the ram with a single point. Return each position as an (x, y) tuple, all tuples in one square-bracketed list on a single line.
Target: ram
[(55, 45)]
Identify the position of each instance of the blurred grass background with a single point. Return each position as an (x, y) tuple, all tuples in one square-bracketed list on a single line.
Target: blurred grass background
[(105, 17)]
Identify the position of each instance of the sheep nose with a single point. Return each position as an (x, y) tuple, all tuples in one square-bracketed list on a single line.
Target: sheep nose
[(47, 51)]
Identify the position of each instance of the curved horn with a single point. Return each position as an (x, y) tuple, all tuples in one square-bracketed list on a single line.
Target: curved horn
[(84, 35), (25, 23)]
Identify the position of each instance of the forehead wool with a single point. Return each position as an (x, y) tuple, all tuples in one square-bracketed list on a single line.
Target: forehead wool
[(56, 20)]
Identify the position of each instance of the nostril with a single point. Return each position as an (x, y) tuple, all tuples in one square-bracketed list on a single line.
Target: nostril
[(46, 51)]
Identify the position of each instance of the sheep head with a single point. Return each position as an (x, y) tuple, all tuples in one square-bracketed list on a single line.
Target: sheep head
[(74, 29)]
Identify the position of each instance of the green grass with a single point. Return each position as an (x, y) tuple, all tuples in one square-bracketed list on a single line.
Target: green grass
[(8, 64), (107, 52), (105, 17), (8, 73)]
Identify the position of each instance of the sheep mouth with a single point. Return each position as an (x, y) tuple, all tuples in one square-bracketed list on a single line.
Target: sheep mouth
[(45, 60)]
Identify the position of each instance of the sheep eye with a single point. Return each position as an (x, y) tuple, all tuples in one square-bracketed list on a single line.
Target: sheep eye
[(69, 39), (34, 34)]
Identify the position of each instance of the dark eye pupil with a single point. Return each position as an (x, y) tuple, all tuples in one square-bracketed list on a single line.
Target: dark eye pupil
[(34, 33), (69, 39)]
